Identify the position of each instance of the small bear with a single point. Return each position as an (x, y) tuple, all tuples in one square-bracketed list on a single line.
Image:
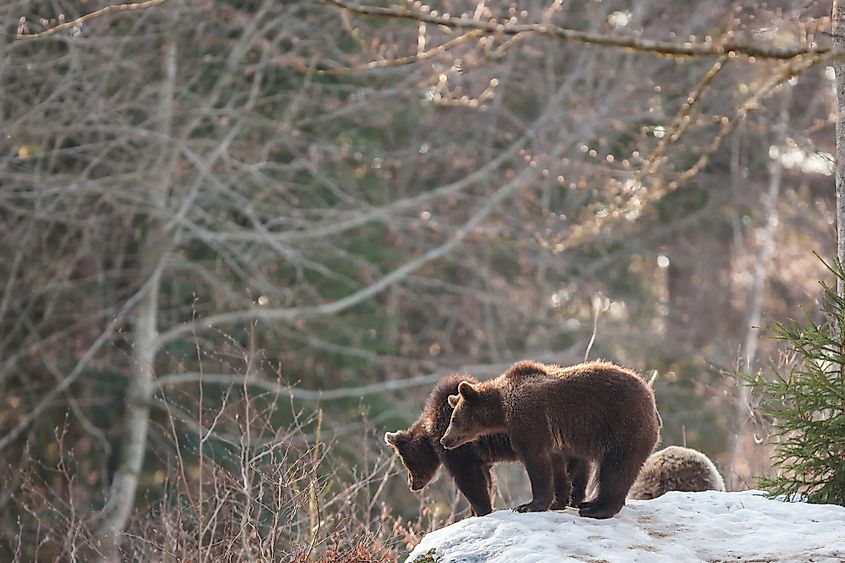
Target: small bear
[(676, 469), (422, 454), (594, 412)]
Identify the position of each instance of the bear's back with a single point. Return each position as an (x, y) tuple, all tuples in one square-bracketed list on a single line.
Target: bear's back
[(676, 468), (534, 381), (588, 407)]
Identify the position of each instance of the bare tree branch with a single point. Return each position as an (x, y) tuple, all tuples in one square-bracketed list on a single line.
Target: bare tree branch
[(478, 370), (659, 188), (669, 48), (363, 217), (132, 7), (353, 299), (410, 59), (101, 340)]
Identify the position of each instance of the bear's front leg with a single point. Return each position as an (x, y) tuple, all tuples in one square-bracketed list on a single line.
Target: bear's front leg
[(539, 468), (473, 480)]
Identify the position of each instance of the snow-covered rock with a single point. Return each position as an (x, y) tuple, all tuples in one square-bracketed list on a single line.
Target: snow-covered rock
[(676, 527)]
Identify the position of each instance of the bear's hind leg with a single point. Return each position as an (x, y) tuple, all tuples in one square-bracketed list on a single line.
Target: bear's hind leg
[(579, 474), (563, 485), (616, 473)]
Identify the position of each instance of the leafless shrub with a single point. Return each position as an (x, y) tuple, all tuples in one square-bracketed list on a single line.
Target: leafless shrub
[(232, 488)]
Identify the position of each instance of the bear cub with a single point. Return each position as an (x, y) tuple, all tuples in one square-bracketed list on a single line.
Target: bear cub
[(676, 469), (594, 412), (422, 454)]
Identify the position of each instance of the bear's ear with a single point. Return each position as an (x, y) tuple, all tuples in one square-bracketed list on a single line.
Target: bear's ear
[(390, 438), (467, 390), (453, 400)]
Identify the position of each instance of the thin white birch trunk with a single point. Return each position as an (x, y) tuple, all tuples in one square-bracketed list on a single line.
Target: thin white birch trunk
[(758, 290), (141, 386), (838, 30), (135, 423)]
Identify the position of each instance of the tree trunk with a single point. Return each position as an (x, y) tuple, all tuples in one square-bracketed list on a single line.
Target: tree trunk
[(838, 30), (136, 421), (742, 437), (153, 254)]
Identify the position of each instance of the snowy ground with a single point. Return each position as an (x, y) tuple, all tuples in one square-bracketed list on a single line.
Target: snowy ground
[(677, 527)]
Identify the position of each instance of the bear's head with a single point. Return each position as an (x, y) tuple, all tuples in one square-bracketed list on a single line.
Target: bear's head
[(476, 412), (417, 455)]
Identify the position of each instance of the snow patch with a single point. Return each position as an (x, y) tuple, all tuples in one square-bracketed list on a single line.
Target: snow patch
[(705, 526)]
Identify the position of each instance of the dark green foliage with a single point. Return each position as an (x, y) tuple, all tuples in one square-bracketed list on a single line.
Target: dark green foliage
[(807, 405)]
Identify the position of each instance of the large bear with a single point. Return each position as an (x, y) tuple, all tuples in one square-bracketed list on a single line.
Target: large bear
[(594, 412), (676, 469), (422, 454)]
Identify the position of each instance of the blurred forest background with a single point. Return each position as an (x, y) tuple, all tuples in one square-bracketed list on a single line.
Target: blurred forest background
[(242, 239)]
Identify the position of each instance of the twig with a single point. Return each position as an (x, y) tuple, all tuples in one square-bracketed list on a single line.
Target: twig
[(87, 17), (402, 61), (593, 336)]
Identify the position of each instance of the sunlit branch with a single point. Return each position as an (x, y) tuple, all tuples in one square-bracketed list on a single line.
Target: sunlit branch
[(658, 188), (683, 119), (282, 389), (410, 59), (668, 48), (277, 387), (132, 7)]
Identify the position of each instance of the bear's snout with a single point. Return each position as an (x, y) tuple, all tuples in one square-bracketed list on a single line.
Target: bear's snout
[(447, 442)]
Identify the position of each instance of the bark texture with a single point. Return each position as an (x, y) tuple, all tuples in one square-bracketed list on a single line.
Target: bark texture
[(838, 30)]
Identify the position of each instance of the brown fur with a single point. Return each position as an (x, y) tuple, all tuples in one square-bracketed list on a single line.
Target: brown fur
[(676, 469), (422, 454), (594, 412)]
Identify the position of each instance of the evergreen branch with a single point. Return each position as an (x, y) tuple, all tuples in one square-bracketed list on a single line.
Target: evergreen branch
[(806, 407)]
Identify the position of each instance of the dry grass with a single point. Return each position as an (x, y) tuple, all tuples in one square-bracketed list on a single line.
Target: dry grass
[(232, 488)]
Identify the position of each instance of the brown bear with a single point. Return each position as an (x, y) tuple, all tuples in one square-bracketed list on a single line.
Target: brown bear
[(422, 454), (676, 469), (593, 412)]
